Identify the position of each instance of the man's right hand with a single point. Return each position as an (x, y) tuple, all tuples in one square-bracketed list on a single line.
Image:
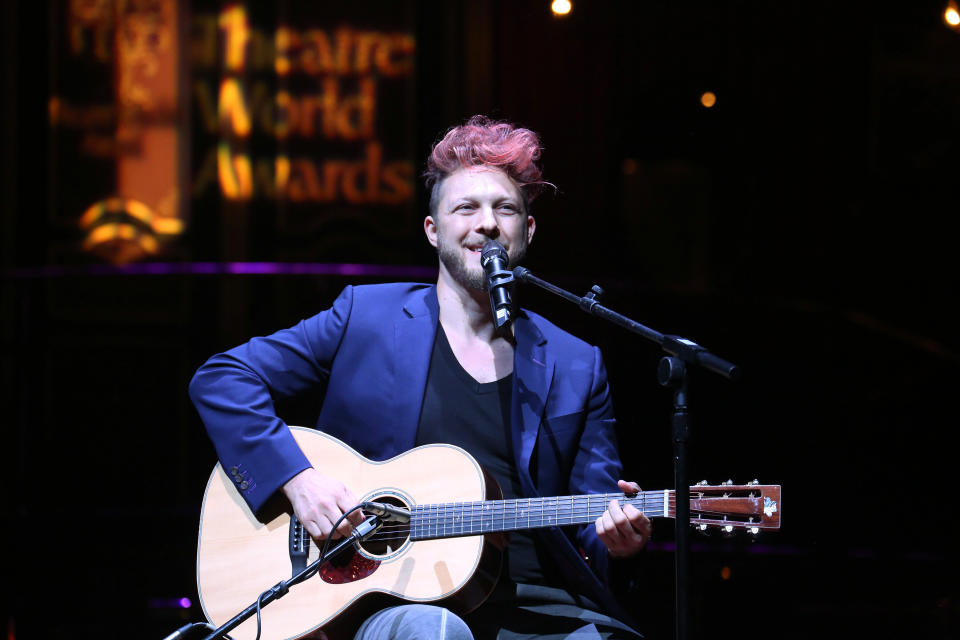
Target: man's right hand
[(318, 501)]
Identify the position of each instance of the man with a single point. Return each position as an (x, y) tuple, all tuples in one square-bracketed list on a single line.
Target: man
[(404, 365)]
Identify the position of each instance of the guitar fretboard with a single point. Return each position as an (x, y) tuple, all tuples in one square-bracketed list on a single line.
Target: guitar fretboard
[(431, 521)]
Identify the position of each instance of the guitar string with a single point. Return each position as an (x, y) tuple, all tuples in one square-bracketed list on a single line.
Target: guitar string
[(566, 511), (566, 507), (472, 513), (550, 509), (404, 532)]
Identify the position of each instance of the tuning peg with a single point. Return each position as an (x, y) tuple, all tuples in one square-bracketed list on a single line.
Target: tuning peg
[(702, 483), (753, 482), (728, 482), (754, 531)]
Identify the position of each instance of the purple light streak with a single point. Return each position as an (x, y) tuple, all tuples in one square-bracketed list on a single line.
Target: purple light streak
[(227, 268)]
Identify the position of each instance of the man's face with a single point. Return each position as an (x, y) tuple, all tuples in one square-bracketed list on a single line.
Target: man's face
[(477, 204)]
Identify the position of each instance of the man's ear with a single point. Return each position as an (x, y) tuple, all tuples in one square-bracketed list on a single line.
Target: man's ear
[(430, 229), (531, 227)]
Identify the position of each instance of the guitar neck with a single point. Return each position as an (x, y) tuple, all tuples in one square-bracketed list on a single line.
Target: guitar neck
[(432, 521)]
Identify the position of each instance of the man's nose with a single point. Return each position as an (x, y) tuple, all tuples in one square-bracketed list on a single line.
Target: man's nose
[(486, 222)]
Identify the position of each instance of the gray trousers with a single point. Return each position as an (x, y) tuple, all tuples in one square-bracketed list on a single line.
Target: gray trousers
[(536, 612)]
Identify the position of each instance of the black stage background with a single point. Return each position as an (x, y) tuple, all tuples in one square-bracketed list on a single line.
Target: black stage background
[(805, 227)]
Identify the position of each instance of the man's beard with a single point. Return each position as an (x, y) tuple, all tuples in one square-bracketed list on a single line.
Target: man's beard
[(452, 257)]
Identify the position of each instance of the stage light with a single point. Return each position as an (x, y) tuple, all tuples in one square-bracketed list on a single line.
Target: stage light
[(561, 7), (708, 99), (951, 15), (725, 573)]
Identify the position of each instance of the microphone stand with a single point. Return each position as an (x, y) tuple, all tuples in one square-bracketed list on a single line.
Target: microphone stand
[(672, 373), (360, 533)]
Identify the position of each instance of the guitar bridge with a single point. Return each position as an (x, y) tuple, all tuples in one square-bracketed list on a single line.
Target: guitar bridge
[(299, 546)]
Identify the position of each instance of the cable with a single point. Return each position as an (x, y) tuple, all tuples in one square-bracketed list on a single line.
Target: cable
[(281, 588)]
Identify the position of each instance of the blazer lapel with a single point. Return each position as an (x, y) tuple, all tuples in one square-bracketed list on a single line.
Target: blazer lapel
[(531, 385), (414, 334)]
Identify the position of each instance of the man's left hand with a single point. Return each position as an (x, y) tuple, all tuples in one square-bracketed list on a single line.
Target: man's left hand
[(624, 531)]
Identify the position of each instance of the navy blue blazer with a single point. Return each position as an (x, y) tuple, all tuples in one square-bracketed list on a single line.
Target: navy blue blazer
[(369, 354)]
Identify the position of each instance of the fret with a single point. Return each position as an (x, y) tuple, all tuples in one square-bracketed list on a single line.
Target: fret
[(477, 518)]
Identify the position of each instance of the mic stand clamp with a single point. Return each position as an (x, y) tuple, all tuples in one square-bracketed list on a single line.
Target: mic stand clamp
[(360, 533), (671, 372)]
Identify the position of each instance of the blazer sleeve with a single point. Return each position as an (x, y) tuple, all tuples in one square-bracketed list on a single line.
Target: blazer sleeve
[(234, 393), (597, 465)]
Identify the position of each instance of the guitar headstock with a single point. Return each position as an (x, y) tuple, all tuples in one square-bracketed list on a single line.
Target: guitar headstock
[(729, 506)]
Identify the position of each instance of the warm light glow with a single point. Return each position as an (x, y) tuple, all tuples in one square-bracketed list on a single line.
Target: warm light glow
[(951, 16), (708, 99), (561, 7), (725, 573)]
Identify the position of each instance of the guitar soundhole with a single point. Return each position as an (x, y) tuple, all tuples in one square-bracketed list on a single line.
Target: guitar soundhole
[(392, 536), (351, 566)]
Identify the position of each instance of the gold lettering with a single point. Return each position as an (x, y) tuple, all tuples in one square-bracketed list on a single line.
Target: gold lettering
[(286, 114), (285, 41), (262, 50), (401, 44), (331, 172), (234, 173), (232, 108), (364, 42), (233, 21), (282, 174), (303, 182)]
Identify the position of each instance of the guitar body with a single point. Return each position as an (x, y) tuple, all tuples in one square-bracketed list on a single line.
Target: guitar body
[(449, 552), (238, 557)]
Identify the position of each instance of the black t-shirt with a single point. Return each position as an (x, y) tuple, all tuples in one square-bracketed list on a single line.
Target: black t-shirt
[(476, 416)]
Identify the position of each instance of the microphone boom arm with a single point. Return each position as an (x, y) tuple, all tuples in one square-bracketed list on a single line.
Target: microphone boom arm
[(682, 348)]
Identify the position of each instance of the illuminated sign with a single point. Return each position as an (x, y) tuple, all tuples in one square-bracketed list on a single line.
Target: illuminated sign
[(339, 102), (245, 107)]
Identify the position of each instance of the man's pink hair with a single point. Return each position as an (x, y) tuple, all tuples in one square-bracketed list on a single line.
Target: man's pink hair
[(485, 142)]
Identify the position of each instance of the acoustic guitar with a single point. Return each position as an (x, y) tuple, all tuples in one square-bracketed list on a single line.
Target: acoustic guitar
[(445, 555)]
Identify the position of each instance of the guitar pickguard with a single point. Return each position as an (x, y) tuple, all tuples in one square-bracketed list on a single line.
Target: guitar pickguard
[(356, 568)]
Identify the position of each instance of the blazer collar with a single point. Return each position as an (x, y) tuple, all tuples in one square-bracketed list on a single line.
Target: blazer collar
[(533, 368), (414, 333)]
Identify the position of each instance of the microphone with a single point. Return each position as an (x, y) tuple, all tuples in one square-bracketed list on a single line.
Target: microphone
[(495, 263), (388, 512)]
